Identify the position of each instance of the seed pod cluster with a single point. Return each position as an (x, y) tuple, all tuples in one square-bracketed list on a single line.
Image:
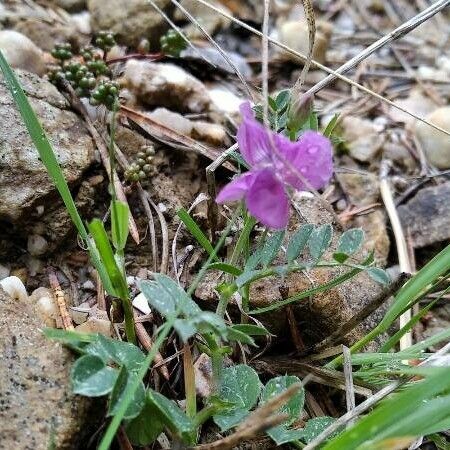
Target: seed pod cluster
[(141, 167), (88, 73), (172, 43), (105, 40)]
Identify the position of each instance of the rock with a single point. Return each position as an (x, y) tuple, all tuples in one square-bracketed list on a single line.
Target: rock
[(204, 131), (70, 5), (435, 144), (21, 52), (361, 188), (95, 325), (82, 22), (225, 101), (426, 217), (363, 138), (45, 306), (399, 154), (295, 33), (47, 34), (203, 376), (319, 315), (140, 302), (417, 103), (37, 245), (24, 183), (211, 21), (157, 84), (14, 287), (4, 271), (130, 21), (37, 409)]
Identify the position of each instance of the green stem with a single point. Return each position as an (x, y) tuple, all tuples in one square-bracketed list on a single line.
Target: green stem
[(129, 321), (216, 360), (204, 414), (249, 223)]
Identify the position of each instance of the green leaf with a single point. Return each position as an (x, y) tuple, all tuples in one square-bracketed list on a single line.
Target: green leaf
[(350, 241), (320, 240), (173, 417), (282, 99), (272, 103), (240, 386), (117, 395), (227, 268), (91, 377), (146, 427), (201, 322), (72, 339), (119, 224), (239, 336), (195, 230), (379, 275), (283, 435), (103, 245), (252, 330), (331, 126), (272, 247), (293, 407), (245, 277), (254, 260), (230, 419), (340, 257), (315, 426), (119, 352), (165, 296), (298, 242)]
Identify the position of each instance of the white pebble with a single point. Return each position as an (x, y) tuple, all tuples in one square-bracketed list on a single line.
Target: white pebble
[(14, 287), (37, 245), (140, 302)]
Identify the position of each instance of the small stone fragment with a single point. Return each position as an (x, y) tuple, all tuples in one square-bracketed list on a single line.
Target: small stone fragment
[(435, 144), (21, 52), (37, 245), (4, 271), (426, 217), (14, 287), (157, 84), (203, 376), (361, 189), (130, 21), (140, 302), (94, 325), (295, 34), (363, 139)]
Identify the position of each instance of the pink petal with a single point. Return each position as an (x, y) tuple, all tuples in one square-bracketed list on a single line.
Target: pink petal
[(253, 138), (266, 200), (311, 155), (237, 188)]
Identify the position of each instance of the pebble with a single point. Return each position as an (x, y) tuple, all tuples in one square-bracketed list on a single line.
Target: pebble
[(21, 52), (4, 271), (295, 34), (163, 84), (140, 302), (94, 325), (435, 144), (37, 245), (363, 138), (14, 287), (208, 132)]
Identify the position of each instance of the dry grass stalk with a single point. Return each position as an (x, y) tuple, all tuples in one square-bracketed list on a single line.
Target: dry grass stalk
[(58, 295)]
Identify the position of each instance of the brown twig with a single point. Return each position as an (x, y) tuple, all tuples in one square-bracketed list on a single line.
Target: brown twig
[(58, 295)]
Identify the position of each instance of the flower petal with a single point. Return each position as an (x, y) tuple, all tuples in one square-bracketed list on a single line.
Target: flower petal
[(267, 200), (311, 155), (253, 138), (237, 188)]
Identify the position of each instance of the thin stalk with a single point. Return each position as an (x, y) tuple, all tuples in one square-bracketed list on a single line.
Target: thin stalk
[(249, 223), (189, 382)]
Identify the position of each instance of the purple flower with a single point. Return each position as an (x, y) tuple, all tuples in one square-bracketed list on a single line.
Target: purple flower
[(275, 163)]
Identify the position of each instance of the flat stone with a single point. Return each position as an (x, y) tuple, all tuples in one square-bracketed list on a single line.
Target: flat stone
[(426, 217), (37, 409)]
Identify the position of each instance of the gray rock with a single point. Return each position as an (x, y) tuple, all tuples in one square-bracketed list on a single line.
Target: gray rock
[(37, 409), (24, 183), (21, 52), (131, 21), (157, 84), (426, 217), (435, 144)]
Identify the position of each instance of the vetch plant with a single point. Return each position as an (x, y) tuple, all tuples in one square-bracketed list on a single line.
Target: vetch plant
[(275, 164)]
